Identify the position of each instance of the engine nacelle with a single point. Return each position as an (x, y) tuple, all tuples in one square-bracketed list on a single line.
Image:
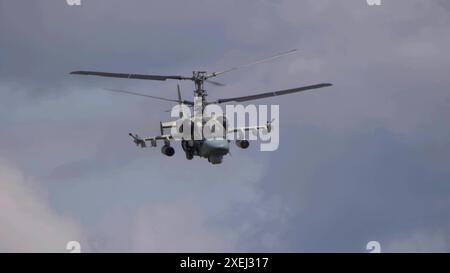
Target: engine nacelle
[(243, 144), (168, 150)]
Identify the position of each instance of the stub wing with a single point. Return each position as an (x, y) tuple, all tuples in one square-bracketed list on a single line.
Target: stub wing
[(154, 139), (142, 141)]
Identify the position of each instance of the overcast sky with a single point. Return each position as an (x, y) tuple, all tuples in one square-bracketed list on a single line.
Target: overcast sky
[(367, 159)]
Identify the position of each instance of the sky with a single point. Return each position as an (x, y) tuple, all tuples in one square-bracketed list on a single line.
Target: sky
[(365, 160)]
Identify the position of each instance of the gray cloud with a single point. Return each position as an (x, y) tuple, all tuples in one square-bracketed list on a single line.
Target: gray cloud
[(176, 228), (28, 223)]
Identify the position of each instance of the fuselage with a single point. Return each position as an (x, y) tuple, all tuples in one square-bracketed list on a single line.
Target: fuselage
[(212, 149)]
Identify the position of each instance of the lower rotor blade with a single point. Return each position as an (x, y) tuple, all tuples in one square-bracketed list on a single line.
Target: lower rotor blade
[(273, 94), (215, 83)]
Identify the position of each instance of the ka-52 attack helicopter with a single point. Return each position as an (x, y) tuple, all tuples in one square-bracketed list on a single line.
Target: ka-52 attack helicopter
[(211, 148)]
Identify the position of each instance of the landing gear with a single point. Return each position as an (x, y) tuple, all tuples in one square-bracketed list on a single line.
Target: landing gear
[(168, 150), (188, 149), (215, 159)]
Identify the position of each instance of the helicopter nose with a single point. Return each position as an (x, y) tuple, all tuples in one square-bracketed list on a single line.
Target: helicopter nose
[(218, 146)]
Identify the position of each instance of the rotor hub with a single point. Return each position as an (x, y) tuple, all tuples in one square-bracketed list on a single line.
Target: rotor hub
[(199, 78)]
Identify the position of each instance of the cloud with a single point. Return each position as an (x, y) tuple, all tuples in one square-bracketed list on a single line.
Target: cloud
[(28, 223), (421, 240), (176, 227)]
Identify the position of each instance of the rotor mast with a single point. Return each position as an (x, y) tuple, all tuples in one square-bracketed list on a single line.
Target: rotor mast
[(199, 78)]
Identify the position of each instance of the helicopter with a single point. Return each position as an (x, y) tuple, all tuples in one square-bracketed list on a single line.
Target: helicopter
[(213, 149)]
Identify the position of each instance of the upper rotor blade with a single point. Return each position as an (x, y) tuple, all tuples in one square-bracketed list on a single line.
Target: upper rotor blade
[(148, 96), (215, 83), (179, 92), (273, 94), (253, 63), (129, 76)]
